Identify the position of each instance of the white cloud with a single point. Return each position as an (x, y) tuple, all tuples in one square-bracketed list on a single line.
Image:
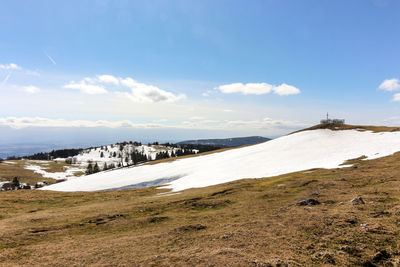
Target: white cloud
[(24, 122), (197, 118), (396, 97), (207, 93), (285, 89), (138, 92), (237, 125), (258, 89), (266, 123), (390, 85), (32, 73), (10, 66), (31, 89), (86, 88), (141, 92), (246, 89), (108, 79)]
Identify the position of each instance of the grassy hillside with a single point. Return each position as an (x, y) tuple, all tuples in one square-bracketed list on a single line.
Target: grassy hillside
[(16, 169), (253, 222)]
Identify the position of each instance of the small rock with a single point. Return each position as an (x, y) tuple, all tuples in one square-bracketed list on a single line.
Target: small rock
[(358, 201), (227, 236), (351, 221), (310, 201)]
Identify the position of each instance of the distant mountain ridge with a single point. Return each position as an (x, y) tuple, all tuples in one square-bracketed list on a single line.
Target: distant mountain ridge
[(228, 142)]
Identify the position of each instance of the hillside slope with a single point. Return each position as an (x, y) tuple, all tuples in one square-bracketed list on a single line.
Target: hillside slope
[(250, 222), (228, 142), (125, 154), (321, 148)]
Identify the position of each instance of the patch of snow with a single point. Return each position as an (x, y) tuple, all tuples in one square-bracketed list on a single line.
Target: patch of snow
[(301, 151), (347, 165), (113, 154), (9, 162), (69, 172)]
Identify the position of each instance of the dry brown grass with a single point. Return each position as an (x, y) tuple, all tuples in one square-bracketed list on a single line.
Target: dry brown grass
[(252, 222), (9, 171)]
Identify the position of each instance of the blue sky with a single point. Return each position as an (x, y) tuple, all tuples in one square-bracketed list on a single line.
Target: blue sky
[(196, 68)]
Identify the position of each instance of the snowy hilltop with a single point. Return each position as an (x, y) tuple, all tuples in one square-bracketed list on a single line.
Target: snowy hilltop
[(321, 148), (125, 154)]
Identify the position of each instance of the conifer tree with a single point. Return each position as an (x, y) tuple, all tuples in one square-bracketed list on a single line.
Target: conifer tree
[(15, 182), (96, 168), (89, 169)]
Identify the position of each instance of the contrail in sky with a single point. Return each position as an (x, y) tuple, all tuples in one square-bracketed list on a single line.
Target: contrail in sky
[(6, 79), (50, 58)]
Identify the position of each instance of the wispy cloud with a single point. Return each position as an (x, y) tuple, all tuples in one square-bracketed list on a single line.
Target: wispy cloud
[(10, 66), (258, 89), (207, 93), (396, 97), (198, 123), (86, 88), (265, 123), (5, 79), (31, 89), (32, 73), (24, 122)]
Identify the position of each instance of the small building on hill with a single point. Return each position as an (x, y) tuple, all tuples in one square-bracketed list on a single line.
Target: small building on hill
[(332, 121)]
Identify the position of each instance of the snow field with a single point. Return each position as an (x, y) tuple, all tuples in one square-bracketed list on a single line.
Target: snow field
[(296, 152)]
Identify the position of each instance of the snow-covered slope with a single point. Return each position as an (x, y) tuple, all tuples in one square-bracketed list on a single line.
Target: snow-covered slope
[(300, 151), (119, 154)]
